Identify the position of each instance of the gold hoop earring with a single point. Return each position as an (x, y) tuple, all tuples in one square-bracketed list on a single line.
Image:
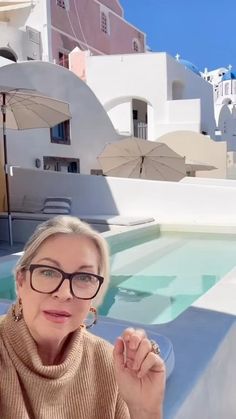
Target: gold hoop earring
[(17, 310), (88, 321)]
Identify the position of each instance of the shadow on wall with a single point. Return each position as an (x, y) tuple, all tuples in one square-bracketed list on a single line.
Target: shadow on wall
[(90, 195)]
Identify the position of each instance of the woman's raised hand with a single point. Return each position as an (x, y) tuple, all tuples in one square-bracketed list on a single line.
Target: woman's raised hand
[(140, 374)]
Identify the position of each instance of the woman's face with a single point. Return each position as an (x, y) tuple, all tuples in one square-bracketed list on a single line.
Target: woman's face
[(71, 253)]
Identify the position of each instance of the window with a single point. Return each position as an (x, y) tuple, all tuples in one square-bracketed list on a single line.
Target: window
[(97, 172), (135, 114), (221, 89), (60, 134), (135, 46), (104, 24), (33, 35), (61, 3), (226, 88), (61, 164), (63, 59)]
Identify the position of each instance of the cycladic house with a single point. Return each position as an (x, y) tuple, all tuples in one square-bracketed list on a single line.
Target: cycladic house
[(72, 146)]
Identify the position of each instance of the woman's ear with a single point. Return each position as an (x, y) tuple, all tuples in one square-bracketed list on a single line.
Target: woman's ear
[(20, 277)]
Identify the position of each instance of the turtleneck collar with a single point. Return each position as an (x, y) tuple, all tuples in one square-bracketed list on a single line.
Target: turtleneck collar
[(24, 354)]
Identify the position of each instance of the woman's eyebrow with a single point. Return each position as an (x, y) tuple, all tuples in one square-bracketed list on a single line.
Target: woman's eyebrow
[(87, 267), (50, 260), (55, 262)]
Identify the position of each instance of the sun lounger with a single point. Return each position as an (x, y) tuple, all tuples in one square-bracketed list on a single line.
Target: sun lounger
[(118, 220)]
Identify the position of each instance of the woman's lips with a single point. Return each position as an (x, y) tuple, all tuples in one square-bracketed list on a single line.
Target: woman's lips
[(57, 316)]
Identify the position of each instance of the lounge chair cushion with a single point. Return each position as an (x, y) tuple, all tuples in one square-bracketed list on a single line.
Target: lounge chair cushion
[(57, 205)]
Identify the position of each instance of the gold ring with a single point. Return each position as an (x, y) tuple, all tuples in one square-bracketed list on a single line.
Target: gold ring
[(155, 347)]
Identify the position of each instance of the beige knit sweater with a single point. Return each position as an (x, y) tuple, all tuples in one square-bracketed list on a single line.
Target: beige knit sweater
[(81, 387)]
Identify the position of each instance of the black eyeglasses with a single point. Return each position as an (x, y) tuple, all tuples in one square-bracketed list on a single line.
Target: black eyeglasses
[(47, 279)]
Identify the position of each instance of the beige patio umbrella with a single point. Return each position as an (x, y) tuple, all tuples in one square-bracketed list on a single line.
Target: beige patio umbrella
[(26, 109), (137, 158), (193, 166), (9, 5)]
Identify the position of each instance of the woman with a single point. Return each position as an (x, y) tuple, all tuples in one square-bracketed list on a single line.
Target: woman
[(51, 367)]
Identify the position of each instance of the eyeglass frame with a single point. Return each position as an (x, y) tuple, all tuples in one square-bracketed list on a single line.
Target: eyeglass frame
[(65, 275)]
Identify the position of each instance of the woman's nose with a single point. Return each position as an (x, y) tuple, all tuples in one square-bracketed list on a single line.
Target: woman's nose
[(64, 292)]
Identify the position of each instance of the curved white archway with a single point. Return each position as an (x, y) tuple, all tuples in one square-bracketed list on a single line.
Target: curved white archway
[(123, 99)]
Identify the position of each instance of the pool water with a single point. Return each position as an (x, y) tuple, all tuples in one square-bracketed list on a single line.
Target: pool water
[(7, 288), (153, 282)]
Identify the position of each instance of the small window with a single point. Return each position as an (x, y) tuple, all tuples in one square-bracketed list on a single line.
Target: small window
[(63, 59), (104, 23), (135, 114), (60, 134), (135, 46), (97, 172), (226, 88), (61, 3)]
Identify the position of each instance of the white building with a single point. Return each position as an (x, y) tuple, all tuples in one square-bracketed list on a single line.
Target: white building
[(148, 95), (214, 77), (224, 85), (71, 146), (24, 30), (153, 96)]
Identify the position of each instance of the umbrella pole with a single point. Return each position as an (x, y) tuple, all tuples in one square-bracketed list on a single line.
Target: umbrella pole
[(3, 109), (141, 166)]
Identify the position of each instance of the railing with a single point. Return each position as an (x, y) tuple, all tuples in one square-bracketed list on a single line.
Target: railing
[(140, 130)]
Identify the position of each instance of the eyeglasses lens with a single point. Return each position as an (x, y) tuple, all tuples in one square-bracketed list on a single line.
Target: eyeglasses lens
[(46, 280)]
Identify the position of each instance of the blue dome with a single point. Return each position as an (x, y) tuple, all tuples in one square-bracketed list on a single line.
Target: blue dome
[(190, 66), (230, 75)]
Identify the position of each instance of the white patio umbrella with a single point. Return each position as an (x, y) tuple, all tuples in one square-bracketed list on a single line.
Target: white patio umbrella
[(26, 109), (137, 158)]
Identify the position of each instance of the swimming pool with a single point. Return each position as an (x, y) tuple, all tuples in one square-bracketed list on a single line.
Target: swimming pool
[(154, 281), (157, 276)]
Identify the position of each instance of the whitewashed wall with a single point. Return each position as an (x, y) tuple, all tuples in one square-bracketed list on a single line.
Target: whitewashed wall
[(150, 77), (121, 117), (91, 127), (168, 202), (195, 87)]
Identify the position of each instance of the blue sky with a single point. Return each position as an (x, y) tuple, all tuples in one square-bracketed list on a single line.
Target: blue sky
[(200, 31)]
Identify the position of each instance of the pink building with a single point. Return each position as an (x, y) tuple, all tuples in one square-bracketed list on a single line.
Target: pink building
[(49, 30), (98, 26)]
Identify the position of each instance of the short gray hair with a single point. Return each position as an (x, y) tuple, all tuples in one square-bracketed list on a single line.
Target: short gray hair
[(66, 224)]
